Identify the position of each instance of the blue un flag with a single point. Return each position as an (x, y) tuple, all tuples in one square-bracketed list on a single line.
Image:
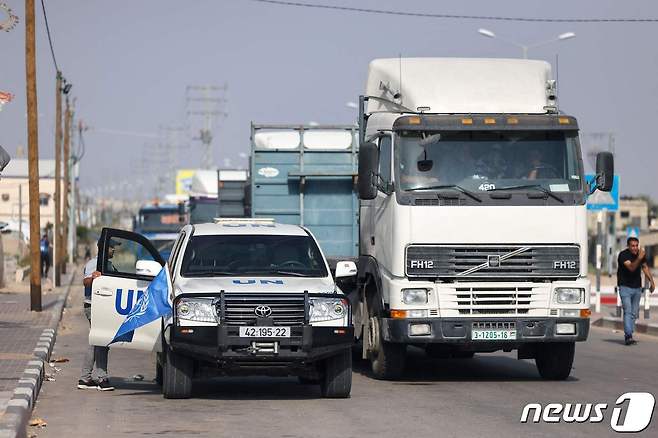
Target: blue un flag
[(149, 307)]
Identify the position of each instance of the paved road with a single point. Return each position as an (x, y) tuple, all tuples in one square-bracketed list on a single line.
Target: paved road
[(477, 397)]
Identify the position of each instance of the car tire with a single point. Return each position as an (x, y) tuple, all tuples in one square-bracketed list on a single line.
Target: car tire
[(177, 375), (158, 369), (337, 379), (554, 360)]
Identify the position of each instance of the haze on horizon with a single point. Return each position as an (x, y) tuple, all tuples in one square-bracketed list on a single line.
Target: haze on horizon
[(130, 63)]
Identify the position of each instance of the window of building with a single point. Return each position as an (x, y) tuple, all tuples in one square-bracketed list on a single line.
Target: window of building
[(43, 199), (624, 214)]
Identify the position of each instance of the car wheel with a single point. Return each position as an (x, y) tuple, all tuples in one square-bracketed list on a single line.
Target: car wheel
[(337, 379), (177, 375)]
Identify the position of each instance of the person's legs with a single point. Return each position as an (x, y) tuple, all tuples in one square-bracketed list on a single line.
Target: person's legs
[(625, 294), (100, 354), (635, 304), (86, 380)]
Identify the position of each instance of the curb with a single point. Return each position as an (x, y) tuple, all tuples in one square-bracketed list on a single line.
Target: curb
[(618, 324), (13, 424)]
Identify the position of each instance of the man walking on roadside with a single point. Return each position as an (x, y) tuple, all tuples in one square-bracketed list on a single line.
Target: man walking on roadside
[(96, 356), (631, 263)]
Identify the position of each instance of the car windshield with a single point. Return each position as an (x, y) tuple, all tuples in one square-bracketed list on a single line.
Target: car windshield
[(257, 255), (488, 160)]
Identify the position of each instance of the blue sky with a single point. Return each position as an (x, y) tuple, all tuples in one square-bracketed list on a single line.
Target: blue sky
[(130, 62)]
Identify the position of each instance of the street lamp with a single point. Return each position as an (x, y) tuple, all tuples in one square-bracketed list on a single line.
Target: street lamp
[(524, 47)]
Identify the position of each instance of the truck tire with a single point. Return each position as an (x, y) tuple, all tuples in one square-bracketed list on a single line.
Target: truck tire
[(158, 369), (337, 379), (386, 359), (554, 360), (177, 375)]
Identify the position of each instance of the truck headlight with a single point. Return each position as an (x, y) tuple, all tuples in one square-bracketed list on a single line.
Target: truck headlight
[(328, 309), (196, 309), (568, 295), (414, 296)]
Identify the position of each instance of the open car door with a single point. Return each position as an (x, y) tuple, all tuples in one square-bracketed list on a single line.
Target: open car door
[(124, 277)]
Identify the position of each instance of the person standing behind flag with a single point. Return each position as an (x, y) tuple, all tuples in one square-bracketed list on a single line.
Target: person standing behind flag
[(96, 356), (630, 265)]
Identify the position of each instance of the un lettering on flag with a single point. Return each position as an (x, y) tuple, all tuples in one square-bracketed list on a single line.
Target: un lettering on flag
[(153, 304)]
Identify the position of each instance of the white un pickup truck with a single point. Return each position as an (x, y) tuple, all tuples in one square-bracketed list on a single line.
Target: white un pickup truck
[(249, 296)]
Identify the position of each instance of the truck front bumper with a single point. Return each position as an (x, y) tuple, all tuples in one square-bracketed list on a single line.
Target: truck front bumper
[(458, 331), (223, 345)]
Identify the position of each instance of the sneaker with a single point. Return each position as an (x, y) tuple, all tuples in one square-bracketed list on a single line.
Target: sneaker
[(87, 384), (104, 385), (629, 340)]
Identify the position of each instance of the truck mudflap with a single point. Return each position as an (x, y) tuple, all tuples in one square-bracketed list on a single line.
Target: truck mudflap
[(510, 332), (223, 344)]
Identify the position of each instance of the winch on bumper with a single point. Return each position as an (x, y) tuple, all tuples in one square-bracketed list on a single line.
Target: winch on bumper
[(223, 344)]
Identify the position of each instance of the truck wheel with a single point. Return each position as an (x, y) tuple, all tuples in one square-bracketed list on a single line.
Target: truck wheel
[(158, 369), (554, 360), (386, 359), (177, 381), (337, 379)]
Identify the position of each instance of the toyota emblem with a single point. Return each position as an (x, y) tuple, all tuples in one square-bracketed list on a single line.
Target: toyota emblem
[(263, 311)]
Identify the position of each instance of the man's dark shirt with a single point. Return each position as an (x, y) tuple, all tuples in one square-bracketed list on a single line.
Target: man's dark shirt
[(626, 277)]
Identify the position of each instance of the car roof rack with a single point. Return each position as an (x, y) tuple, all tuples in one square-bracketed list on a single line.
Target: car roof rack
[(241, 220)]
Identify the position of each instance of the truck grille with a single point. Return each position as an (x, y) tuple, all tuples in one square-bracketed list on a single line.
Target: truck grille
[(494, 301), (240, 309), (493, 261)]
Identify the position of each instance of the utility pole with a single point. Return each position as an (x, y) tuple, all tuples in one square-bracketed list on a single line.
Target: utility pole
[(57, 237), (205, 101), (67, 152), (33, 156)]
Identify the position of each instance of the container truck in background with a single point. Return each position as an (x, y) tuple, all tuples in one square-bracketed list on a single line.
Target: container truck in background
[(204, 204), (306, 175), (473, 234)]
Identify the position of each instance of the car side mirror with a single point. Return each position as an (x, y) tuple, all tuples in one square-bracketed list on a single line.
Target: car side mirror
[(147, 267), (368, 166), (605, 171), (345, 269)]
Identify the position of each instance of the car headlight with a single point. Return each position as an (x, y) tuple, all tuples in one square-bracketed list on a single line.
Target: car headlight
[(414, 296), (196, 309), (328, 309), (568, 295)]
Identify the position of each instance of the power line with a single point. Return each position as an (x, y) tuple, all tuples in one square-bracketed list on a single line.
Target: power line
[(50, 40), (455, 16)]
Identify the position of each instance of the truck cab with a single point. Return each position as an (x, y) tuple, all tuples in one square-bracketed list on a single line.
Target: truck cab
[(249, 296), (473, 233)]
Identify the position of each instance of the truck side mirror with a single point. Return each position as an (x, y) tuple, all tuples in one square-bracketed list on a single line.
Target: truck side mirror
[(605, 171), (368, 166)]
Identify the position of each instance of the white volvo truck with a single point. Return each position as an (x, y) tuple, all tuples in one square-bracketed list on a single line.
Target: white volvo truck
[(473, 234)]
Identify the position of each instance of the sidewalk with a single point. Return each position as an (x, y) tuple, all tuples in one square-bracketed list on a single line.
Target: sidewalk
[(26, 338), (608, 319)]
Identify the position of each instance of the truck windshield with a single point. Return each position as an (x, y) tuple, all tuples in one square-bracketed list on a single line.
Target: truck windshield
[(488, 160), (160, 221), (254, 255)]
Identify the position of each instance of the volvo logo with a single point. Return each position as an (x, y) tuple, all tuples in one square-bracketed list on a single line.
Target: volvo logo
[(493, 261), (263, 311)]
